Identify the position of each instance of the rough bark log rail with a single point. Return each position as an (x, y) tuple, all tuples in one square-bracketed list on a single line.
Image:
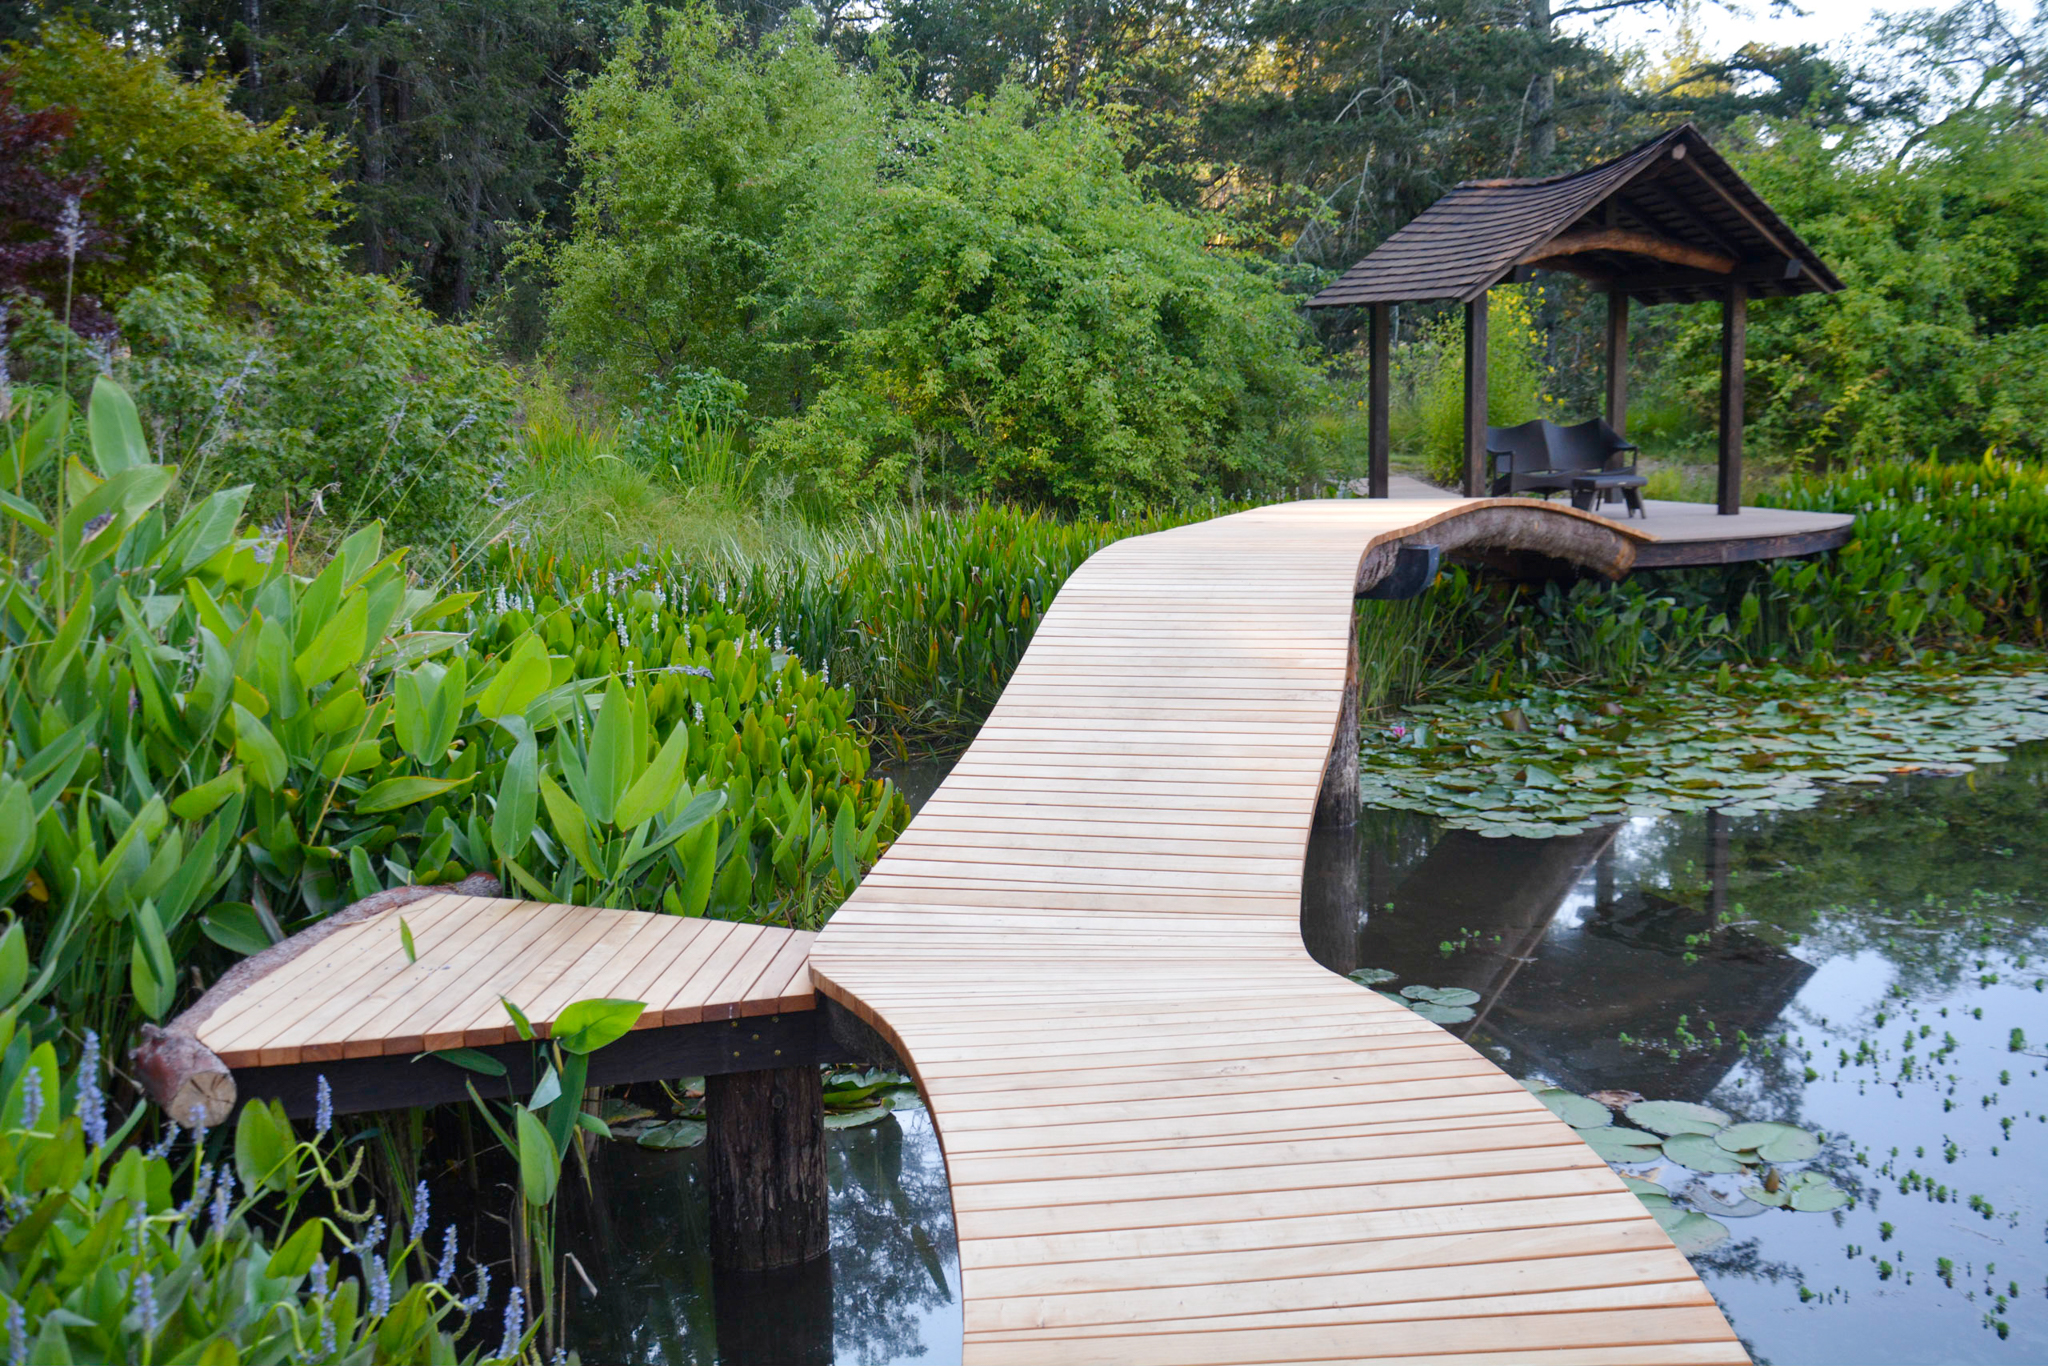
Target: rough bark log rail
[(344, 988), (1170, 1135)]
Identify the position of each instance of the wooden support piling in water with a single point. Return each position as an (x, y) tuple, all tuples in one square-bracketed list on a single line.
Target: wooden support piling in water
[(765, 1151)]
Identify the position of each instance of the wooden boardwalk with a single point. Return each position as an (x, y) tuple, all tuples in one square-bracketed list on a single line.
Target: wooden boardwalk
[(357, 995), (1171, 1136)]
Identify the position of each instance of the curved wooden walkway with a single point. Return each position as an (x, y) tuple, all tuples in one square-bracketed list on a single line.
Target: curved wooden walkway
[(1171, 1136)]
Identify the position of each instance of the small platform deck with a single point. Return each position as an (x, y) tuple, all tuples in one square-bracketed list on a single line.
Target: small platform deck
[(357, 996), (1690, 534)]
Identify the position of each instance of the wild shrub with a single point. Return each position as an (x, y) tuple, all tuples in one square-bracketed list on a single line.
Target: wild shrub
[(1517, 379)]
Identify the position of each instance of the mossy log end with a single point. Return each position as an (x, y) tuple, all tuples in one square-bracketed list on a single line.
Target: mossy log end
[(766, 1160)]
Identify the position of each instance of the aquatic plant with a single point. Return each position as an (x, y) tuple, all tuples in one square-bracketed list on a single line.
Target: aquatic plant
[(1543, 761)]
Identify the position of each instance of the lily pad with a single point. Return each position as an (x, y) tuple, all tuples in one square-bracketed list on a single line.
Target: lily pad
[(1818, 1199), (1781, 1198), (1576, 1111), (1642, 1185), (1441, 1014), (1670, 1117), (677, 1133), (1442, 996), (1707, 1200), (1771, 1142), (1614, 1144), (1372, 977), (855, 1119), (1702, 1154), (1691, 1232)]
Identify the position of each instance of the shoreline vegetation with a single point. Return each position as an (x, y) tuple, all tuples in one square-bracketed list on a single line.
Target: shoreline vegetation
[(585, 467)]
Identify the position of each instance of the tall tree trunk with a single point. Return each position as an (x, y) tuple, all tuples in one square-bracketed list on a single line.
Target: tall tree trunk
[(373, 167), (1543, 101), (472, 247), (252, 20)]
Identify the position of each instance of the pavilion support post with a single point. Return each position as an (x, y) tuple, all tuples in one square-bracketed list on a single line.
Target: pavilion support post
[(1617, 362), (1379, 444), (1337, 801), (766, 1162), (1475, 398), (1734, 348)]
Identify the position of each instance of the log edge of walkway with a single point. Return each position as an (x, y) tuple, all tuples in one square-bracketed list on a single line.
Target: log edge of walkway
[(1388, 1194)]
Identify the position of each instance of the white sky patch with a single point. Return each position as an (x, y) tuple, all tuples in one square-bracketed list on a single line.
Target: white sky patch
[(1837, 25)]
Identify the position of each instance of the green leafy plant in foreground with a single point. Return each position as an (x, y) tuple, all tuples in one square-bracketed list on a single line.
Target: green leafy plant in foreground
[(206, 750), (195, 1251)]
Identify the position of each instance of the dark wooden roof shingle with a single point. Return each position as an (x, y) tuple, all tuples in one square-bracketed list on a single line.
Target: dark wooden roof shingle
[(1675, 187)]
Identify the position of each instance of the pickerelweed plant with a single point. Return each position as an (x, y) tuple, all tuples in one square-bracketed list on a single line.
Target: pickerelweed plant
[(195, 1249)]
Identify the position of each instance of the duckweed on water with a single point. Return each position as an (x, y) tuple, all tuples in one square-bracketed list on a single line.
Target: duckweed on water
[(1557, 761)]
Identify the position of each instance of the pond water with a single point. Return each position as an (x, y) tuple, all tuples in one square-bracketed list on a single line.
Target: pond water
[(1859, 969)]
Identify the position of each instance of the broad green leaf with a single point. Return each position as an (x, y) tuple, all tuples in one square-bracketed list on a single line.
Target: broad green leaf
[(258, 750), (570, 827), (153, 953), (512, 820), (393, 793), (235, 926), (24, 512), (354, 757), (1702, 1154), (338, 644), (115, 429), (844, 856), (17, 827), (471, 1060), (546, 1092), (412, 953), (1691, 1233), (1771, 1142), (539, 1165), (295, 1255), (654, 789), (204, 531), (1676, 1116), (1575, 1110), (586, 1026), (58, 654), (520, 679), (677, 1133), (200, 802), (519, 1021), (13, 963), (264, 1145), (612, 764)]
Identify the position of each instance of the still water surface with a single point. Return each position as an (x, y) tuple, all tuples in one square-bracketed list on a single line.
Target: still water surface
[(1858, 969)]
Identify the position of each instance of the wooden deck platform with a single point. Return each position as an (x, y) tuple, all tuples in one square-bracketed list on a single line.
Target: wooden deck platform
[(357, 995), (1685, 535), (1171, 1136)]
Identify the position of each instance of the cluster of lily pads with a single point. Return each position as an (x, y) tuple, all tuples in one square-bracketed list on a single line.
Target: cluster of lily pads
[(1438, 1005), (1703, 1140), (853, 1097), (1554, 761)]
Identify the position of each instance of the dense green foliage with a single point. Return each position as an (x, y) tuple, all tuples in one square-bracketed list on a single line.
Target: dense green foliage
[(1024, 321), (295, 743), (187, 183)]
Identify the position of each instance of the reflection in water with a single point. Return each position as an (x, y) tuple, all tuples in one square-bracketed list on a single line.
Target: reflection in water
[(1857, 969), (889, 1292)]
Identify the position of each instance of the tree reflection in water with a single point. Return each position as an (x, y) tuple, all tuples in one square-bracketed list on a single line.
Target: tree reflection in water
[(642, 1232)]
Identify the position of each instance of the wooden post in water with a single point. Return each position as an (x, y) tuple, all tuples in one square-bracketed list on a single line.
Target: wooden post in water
[(1378, 400), (1475, 398), (1337, 802), (766, 1162), (1617, 361), (1734, 350)]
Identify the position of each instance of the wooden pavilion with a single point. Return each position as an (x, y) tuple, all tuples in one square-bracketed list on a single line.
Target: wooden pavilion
[(1669, 222)]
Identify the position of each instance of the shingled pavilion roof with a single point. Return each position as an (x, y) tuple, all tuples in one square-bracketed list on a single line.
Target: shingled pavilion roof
[(1669, 222)]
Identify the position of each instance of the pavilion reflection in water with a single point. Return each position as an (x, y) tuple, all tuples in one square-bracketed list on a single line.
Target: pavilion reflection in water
[(1565, 961)]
